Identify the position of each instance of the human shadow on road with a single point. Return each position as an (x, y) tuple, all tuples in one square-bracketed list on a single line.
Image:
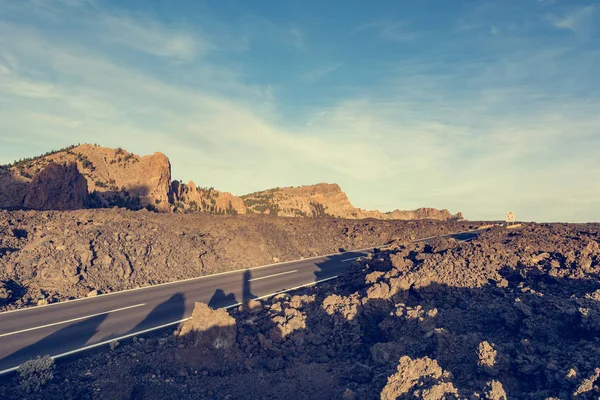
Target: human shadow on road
[(71, 337), (166, 312), (246, 292), (220, 299)]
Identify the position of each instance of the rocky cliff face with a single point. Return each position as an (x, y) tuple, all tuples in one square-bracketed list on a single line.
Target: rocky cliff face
[(57, 187), (12, 189), (114, 177), (190, 198), (326, 199)]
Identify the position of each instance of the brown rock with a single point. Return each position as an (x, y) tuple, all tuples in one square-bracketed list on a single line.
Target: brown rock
[(210, 329), (422, 373), (487, 357), (57, 187), (587, 385), (494, 391), (349, 395)]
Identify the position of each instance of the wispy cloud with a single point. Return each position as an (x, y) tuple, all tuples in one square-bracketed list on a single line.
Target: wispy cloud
[(396, 31), (150, 37), (320, 72), (297, 37), (578, 20)]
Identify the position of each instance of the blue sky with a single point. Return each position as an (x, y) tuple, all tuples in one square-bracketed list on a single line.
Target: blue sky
[(477, 106)]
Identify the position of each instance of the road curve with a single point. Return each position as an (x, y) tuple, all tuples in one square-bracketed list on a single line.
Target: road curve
[(69, 327)]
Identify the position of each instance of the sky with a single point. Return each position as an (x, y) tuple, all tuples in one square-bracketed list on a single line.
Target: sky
[(482, 107)]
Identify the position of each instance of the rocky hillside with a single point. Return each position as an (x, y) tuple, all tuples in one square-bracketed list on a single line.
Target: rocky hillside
[(512, 315), (114, 177), (53, 255), (326, 199)]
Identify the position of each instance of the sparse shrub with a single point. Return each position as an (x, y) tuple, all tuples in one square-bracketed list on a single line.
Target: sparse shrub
[(119, 151), (318, 210), (101, 184), (87, 164), (36, 373), (230, 210), (114, 344), (157, 201)]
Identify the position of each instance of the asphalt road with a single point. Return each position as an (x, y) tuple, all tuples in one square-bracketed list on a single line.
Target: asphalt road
[(66, 328)]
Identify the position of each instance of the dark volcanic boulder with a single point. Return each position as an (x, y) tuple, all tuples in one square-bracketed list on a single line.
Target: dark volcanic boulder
[(57, 187)]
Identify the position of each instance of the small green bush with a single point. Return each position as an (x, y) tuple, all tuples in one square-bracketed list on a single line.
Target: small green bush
[(36, 373)]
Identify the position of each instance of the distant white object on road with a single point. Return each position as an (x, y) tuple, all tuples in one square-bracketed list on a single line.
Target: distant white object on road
[(510, 218)]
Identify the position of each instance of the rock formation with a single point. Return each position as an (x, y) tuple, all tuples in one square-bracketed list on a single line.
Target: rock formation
[(424, 213), (326, 199), (114, 176), (57, 187), (190, 198)]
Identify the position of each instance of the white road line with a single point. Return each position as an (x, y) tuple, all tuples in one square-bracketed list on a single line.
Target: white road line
[(68, 353), (350, 259), (270, 276), (70, 320)]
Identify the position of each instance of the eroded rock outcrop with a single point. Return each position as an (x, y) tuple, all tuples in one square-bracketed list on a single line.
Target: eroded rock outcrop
[(57, 187), (325, 199), (114, 177), (191, 198)]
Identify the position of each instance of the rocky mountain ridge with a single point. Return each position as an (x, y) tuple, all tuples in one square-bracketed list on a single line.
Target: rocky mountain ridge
[(115, 177), (325, 199)]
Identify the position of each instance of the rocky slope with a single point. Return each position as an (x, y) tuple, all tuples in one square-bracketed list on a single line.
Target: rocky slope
[(514, 314), (50, 256), (328, 199)]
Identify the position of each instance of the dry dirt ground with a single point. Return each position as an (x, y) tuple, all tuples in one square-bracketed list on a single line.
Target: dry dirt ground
[(55, 255), (513, 314)]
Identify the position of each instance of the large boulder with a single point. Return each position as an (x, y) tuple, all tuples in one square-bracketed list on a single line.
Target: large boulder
[(57, 187), (420, 378), (210, 329)]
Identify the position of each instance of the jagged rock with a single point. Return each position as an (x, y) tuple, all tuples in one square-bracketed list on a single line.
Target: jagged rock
[(421, 374), (209, 329), (494, 391), (349, 394), (252, 306), (589, 384), (57, 187), (487, 358)]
